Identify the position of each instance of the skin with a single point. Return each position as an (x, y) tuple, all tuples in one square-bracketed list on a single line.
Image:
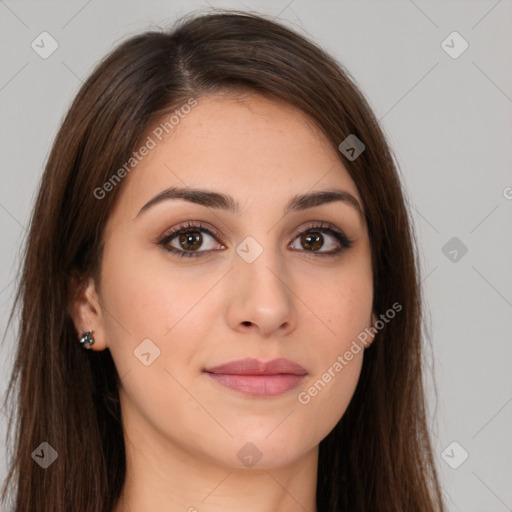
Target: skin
[(182, 429)]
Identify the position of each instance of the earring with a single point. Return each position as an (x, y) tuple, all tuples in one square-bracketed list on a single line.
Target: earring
[(87, 339)]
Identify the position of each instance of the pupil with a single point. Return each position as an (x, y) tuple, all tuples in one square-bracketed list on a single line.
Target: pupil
[(312, 239), (193, 239)]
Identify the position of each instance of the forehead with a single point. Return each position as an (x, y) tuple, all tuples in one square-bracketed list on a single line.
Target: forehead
[(251, 147)]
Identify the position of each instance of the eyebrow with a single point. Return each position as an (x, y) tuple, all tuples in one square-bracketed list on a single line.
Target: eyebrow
[(225, 202)]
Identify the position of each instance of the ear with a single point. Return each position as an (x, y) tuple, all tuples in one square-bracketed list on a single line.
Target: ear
[(371, 337), (85, 310)]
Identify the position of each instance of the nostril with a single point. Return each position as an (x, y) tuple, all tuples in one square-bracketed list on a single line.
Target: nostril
[(247, 323)]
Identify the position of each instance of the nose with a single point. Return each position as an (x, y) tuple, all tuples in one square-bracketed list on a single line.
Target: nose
[(261, 297)]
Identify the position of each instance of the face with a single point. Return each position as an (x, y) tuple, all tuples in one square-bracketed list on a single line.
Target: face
[(188, 284)]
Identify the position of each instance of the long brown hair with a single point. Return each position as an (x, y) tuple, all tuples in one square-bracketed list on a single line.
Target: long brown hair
[(379, 455)]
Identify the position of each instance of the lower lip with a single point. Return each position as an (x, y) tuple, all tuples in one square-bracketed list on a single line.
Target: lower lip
[(258, 385)]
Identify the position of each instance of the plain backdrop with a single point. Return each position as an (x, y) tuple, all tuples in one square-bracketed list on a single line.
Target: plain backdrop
[(446, 110)]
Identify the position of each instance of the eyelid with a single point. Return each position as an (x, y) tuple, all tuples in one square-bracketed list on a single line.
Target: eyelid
[(320, 225), (191, 224)]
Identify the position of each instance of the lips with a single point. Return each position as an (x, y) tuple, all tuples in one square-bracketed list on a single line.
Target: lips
[(256, 378), (251, 366)]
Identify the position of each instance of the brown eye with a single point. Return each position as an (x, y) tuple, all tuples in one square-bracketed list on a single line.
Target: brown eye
[(190, 240), (312, 240), (328, 238)]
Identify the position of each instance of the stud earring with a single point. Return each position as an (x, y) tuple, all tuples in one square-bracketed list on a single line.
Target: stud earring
[(87, 339)]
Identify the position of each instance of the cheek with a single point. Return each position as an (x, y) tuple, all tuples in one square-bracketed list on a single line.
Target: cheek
[(326, 396), (345, 307), (155, 314), (147, 297), (153, 332), (336, 366)]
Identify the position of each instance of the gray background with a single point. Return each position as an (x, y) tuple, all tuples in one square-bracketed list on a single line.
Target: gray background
[(448, 122)]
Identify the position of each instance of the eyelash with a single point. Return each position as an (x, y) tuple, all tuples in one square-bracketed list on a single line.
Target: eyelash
[(323, 227)]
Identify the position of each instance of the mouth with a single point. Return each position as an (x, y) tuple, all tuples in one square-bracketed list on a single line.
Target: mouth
[(256, 378)]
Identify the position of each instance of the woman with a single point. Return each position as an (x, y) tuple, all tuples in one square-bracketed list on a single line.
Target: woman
[(221, 226)]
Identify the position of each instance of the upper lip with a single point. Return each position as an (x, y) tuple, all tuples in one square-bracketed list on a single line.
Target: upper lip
[(250, 366)]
